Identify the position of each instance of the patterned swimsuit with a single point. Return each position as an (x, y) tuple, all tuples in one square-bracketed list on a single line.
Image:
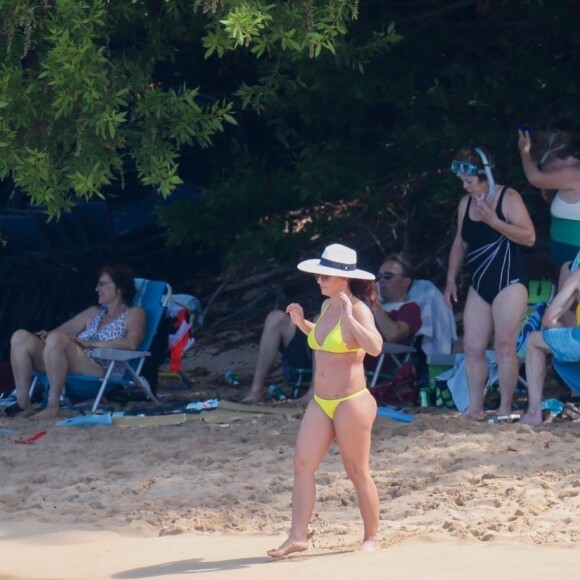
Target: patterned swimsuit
[(112, 331), (493, 260)]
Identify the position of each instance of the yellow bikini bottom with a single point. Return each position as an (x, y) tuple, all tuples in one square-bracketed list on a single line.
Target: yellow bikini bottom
[(329, 406)]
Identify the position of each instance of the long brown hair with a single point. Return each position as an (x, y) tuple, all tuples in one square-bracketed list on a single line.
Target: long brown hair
[(124, 279), (364, 290)]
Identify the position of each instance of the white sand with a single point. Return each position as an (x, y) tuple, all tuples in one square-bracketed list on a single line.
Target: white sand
[(458, 500)]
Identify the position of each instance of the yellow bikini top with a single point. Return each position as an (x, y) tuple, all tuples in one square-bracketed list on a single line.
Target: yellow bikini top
[(333, 342)]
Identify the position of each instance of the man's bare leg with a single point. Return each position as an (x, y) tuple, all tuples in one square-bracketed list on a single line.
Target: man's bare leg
[(278, 329)]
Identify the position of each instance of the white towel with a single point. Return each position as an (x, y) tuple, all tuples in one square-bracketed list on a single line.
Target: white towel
[(456, 378), (438, 329)]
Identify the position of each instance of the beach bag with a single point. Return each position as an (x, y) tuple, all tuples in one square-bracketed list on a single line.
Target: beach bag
[(443, 397)]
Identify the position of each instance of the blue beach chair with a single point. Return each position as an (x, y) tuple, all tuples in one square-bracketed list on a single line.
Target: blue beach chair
[(153, 297)]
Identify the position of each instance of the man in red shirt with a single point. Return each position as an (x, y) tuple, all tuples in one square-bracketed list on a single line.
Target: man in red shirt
[(397, 320)]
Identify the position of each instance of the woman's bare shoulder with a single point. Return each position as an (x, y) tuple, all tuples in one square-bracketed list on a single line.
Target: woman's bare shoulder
[(136, 311)]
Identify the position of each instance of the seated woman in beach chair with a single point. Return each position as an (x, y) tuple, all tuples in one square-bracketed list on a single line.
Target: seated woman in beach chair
[(68, 349)]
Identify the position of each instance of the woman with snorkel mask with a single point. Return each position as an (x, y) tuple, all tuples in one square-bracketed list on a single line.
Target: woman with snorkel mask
[(493, 226)]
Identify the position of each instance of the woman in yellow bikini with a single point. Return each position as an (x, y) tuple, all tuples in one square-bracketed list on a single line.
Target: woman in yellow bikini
[(342, 409)]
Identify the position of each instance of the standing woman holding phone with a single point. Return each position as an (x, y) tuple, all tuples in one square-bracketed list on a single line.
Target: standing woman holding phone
[(557, 168)]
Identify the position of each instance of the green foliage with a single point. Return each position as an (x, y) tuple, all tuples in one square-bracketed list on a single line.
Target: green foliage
[(80, 94), (313, 105)]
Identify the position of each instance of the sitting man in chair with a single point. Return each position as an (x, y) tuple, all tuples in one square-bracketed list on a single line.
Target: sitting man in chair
[(563, 343), (114, 323), (397, 320)]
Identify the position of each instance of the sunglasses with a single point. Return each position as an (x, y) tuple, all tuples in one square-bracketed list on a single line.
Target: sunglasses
[(321, 277), (386, 276), (464, 168)]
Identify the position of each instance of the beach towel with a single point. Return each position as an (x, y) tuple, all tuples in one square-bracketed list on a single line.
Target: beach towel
[(438, 323), (456, 378)]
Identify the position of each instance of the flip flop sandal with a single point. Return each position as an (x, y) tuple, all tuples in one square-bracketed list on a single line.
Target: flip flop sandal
[(13, 410), (571, 412)]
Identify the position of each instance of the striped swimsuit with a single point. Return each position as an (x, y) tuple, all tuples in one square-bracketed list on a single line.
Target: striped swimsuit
[(494, 261)]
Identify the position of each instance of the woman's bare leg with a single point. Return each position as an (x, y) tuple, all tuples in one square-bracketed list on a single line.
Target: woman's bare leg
[(353, 422), (25, 357), (537, 352), (477, 330), (508, 311), (315, 436), (62, 357)]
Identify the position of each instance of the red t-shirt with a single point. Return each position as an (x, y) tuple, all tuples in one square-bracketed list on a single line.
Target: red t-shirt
[(407, 312), (410, 314)]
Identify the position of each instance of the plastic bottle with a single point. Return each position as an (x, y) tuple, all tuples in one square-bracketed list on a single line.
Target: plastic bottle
[(231, 377), (504, 419), (276, 393), (424, 397)]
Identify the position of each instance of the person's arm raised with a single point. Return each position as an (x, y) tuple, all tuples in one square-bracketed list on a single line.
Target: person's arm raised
[(567, 177), (297, 315), (359, 322)]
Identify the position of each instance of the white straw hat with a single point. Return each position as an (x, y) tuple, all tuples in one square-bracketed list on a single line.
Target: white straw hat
[(336, 260)]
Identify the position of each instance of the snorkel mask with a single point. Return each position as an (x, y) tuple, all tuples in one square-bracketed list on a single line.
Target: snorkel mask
[(466, 169)]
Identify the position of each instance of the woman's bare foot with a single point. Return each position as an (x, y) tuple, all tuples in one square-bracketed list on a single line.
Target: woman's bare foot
[(532, 420), (475, 415), (288, 547), (251, 397), (48, 413), (369, 546)]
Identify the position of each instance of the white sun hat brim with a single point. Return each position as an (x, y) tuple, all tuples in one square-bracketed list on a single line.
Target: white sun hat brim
[(336, 260)]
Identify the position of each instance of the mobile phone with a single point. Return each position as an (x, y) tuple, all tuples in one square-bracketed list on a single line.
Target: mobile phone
[(524, 127)]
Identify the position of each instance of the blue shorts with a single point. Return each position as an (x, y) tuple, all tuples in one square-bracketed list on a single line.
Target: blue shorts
[(564, 343), (296, 355)]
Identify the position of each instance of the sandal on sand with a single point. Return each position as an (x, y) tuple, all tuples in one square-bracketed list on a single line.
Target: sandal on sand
[(13, 410), (16, 410), (571, 411)]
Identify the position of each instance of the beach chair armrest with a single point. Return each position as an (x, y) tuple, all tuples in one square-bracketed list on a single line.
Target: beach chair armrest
[(118, 354)]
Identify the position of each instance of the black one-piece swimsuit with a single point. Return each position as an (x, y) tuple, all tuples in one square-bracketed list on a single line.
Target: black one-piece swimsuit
[(493, 260)]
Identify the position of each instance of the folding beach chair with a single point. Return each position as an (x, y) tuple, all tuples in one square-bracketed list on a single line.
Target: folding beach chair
[(153, 297), (401, 384)]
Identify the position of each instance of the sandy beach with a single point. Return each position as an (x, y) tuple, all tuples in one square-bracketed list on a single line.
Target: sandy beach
[(208, 497)]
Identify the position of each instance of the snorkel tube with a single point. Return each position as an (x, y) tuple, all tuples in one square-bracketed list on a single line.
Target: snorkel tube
[(488, 174), (550, 150)]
